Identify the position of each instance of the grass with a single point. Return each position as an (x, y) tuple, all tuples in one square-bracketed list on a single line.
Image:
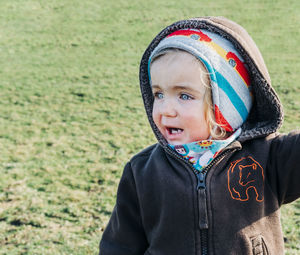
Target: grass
[(71, 114)]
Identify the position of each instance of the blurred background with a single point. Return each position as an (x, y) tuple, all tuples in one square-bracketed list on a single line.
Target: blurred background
[(71, 113)]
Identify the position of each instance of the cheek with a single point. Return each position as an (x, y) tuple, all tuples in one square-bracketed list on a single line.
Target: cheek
[(155, 114), (195, 120), (194, 117), (197, 114)]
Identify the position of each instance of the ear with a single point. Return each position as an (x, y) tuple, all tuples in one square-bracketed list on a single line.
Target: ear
[(254, 166)]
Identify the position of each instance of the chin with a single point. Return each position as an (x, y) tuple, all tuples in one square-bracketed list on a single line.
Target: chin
[(175, 142), (178, 142)]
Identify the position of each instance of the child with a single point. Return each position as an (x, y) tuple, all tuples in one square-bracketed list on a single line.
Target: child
[(215, 181)]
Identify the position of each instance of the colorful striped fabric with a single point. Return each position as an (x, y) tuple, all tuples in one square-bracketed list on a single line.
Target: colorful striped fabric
[(230, 81)]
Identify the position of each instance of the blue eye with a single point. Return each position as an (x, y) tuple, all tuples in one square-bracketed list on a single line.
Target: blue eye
[(185, 97), (158, 95)]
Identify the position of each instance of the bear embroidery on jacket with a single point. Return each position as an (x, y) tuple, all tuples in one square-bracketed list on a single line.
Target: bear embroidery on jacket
[(243, 175)]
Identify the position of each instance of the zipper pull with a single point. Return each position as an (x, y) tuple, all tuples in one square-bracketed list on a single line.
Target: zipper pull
[(201, 180), (202, 207)]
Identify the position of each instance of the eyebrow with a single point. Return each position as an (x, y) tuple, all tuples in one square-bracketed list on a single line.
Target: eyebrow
[(155, 86), (178, 87)]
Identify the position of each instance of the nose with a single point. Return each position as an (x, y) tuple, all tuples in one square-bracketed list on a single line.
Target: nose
[(169, 108)]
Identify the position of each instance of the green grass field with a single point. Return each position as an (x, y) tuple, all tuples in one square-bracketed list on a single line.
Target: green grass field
[(71, 114)]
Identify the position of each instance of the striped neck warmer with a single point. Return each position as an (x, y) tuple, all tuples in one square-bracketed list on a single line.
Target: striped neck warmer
[(230, 82)]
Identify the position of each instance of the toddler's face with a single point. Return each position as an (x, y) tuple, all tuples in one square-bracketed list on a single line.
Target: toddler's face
[(178, 87)]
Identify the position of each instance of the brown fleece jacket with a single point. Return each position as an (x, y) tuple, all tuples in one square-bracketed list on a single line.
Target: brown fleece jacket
[(164, 206)]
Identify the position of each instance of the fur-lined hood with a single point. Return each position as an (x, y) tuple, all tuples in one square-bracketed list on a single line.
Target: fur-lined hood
[(266, 115)]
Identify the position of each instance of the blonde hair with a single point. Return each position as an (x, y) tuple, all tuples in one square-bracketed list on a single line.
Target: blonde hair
[(217, 132)]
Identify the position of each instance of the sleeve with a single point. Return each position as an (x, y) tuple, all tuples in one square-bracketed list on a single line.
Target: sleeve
[(285, 161), (124, 234)]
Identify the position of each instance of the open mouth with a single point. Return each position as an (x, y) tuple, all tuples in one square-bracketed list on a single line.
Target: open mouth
[(174, 131)]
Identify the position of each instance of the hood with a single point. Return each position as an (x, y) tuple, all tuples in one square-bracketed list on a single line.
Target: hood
[(266, 114)]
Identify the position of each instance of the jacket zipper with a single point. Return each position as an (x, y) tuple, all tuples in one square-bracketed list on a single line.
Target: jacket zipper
[(201, 194), (202, 211)]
